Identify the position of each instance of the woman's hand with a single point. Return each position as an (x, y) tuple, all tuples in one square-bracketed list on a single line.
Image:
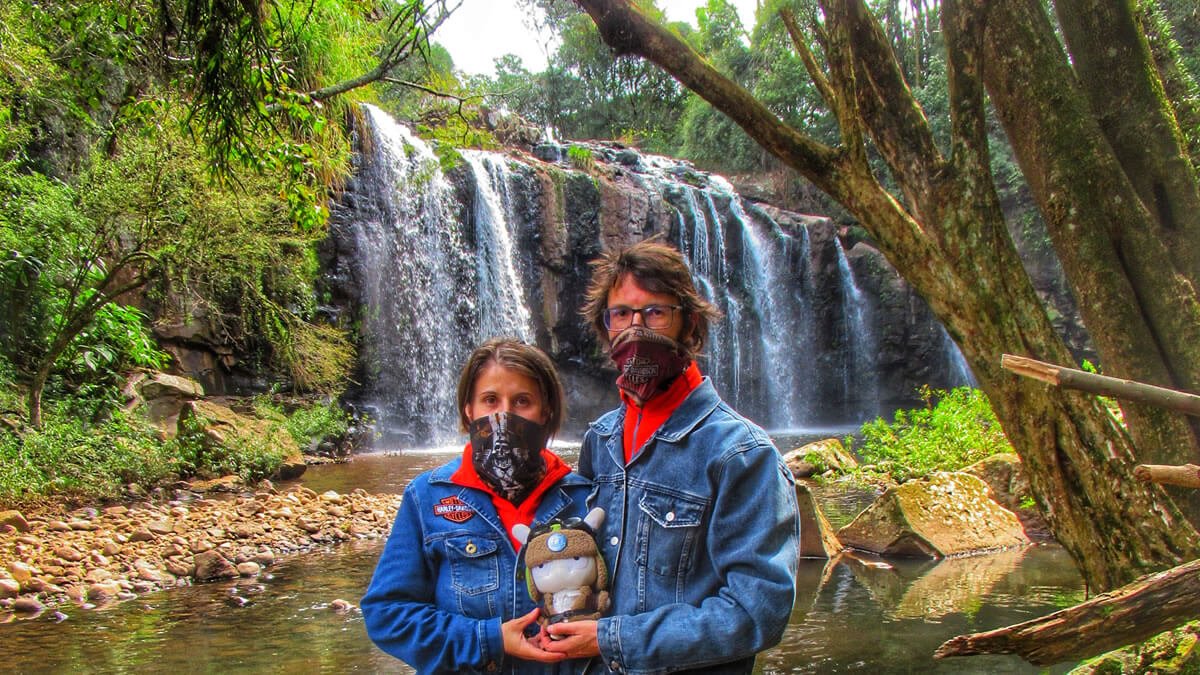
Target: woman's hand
[(577, 639), (518, 646)]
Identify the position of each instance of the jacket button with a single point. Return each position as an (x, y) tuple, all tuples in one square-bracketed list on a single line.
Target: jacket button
[(471, 548), (670, 516), (491, 666), (614, 541), (614, 666)]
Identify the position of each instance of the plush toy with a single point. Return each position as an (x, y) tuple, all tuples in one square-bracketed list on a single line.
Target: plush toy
[(565, 573)]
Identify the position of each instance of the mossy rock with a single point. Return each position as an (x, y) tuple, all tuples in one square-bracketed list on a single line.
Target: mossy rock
[(944, 515)]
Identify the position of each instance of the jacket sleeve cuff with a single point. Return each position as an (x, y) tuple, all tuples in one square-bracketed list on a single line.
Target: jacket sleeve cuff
[(491, 644), (608, 639)]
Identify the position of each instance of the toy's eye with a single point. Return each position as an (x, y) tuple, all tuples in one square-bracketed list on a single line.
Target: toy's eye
[(577, 557), (540, 566)]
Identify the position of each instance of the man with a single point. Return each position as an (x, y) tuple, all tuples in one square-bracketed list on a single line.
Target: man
[(701, 532)]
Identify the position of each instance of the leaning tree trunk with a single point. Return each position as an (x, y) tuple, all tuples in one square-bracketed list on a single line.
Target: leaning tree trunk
[(951, 243), (1142, 312)]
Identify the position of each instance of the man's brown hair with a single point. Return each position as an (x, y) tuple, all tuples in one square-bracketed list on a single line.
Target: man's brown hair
[(658, 268), (517, 356)]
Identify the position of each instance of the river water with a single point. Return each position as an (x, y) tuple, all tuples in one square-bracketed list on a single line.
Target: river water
[(858, 615)]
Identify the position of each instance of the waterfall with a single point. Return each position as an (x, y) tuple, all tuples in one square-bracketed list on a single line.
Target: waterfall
[(439, 263), (860, 387), (428, 295), (499, 281), (963, 376)]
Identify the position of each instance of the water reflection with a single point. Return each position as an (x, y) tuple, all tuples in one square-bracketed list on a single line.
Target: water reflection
[(854, 614)]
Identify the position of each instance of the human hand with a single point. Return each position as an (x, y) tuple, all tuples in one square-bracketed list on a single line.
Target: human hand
[(516, 645), (574, 639)]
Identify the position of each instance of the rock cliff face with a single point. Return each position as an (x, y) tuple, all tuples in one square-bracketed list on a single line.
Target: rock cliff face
[(818, 328)]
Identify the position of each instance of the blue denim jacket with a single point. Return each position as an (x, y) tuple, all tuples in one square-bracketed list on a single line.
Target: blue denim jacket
[(701, 537), (447, 577)]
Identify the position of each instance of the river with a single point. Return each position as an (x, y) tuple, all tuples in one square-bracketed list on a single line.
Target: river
[(867, 616)]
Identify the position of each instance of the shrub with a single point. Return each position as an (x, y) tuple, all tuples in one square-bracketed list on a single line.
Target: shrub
[(68, 457), (955, 429)]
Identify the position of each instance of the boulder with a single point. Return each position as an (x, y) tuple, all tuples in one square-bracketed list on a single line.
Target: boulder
[(212, 565), (1005, 476), (162, 396), (16, 519), (946, 514), (817, 539), (819, 457), (222, 427)]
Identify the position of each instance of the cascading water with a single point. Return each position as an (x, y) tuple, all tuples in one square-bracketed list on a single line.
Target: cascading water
[(501, 248), (429, 295), (500, 288), (860, 387)]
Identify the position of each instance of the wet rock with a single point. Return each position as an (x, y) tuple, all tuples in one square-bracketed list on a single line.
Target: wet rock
[(179, 567), (68, 553), (817, 538), (212, 565), (14, 519), (20, 571), (819, 457), (249, 569), (27, 605), (99, 575), (9, 588), (548, 152), (142, 534), (947, 514), (340, 606), (160, 527)]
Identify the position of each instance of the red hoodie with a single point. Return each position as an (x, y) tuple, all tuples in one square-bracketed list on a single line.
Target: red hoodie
[(511, 514), (641, 423)]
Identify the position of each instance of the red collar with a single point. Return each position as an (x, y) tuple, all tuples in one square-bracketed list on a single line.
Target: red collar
[(648, 418), (509, 513)]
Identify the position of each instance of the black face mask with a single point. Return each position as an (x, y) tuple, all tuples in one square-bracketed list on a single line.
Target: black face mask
[(506, 451)]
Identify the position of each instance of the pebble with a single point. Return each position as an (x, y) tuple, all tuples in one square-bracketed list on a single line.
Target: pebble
[(93, 556)]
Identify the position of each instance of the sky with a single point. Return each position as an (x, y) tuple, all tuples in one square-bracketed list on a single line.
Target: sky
[(482, 30)]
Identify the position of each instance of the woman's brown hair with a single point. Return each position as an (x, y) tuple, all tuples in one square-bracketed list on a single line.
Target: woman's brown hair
[(517, 356), (658, 268)]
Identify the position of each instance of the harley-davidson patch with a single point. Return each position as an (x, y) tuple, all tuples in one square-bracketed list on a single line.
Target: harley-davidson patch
[(453, 509)]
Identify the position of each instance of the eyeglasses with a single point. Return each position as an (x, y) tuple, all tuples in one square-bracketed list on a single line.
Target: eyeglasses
[(656, 317)]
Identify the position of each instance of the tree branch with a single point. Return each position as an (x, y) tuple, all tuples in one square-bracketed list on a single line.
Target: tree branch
[(1129, 614)]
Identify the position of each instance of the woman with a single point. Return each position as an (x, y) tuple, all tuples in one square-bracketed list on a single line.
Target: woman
[(445, 594)]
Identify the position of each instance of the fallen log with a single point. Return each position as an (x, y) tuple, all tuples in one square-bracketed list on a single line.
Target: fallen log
[(1186, 475), (1103, 385), (1132, 613)]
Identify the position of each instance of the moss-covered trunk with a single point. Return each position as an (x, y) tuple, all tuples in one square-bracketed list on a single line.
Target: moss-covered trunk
[(1102, 206)]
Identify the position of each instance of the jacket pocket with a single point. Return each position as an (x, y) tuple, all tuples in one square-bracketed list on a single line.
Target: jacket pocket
[(474, 564), (669, 530)]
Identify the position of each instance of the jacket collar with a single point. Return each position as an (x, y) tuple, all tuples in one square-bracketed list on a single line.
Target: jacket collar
[(697, 406)]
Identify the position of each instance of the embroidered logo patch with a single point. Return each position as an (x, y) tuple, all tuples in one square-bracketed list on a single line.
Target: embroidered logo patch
[(453, 509)]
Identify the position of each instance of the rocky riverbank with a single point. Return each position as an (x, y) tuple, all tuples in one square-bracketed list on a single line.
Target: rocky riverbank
[(96, 555)]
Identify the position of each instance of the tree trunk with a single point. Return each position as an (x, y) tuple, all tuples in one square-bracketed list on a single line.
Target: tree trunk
[(951, 243), (1127, 615), (1118, 75), (1144, 317)]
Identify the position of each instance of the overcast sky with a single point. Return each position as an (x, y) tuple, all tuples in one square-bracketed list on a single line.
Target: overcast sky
[(482, 30)]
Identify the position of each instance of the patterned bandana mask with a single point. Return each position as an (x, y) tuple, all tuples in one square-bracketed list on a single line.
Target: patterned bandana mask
[(506, 451), (648, 362)]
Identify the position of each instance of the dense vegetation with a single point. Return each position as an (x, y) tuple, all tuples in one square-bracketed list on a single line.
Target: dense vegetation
[(954, 430)]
